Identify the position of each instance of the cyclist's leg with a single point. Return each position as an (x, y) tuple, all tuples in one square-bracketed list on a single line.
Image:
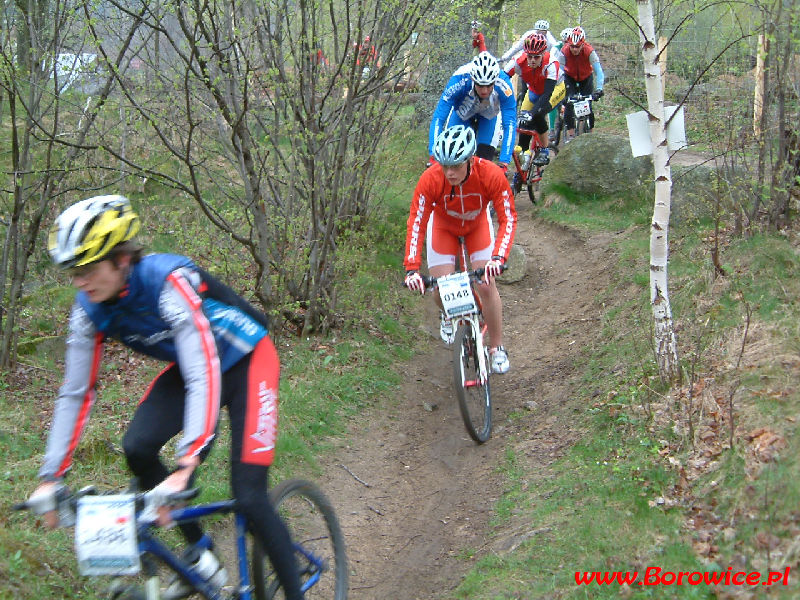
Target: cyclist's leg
[(524, 139), (586, 87), (158, 418), (250, 390), (569, 110), (480, 242), (485, 136)]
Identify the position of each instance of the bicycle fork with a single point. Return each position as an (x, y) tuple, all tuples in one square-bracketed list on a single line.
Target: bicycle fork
[(483, 366)]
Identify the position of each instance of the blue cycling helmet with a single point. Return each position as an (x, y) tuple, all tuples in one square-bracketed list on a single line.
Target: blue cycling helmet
[(454, 145)]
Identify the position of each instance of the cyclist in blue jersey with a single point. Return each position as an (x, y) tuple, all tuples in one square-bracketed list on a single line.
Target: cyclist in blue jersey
[(475, 95), (218, 353)]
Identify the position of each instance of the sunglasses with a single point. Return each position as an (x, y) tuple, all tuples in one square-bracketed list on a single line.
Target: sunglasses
[(82, 271)]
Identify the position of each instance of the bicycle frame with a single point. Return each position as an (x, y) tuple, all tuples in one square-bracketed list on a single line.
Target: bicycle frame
[(149, 544), (475, 318), (536, 144)]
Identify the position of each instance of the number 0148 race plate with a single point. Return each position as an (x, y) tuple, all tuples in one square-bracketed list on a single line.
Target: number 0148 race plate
[(456, 294), (105, 535)]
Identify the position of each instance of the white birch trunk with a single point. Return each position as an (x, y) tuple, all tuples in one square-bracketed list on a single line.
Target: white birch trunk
[(665, 344)]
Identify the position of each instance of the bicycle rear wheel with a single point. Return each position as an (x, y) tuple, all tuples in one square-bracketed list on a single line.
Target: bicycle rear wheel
[(318, 539), (474, 397)]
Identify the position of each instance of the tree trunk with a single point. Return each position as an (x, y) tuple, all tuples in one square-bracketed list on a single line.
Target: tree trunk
[(666, 347)]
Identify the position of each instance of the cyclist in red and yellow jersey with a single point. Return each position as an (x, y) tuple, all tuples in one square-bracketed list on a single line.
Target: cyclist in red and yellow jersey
[(541, 72), (451, 200)]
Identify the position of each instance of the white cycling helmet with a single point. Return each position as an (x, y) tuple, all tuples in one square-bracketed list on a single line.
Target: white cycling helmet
[(542, 24), (485, 69), (565, 34), (475, 25), (88, 230), (454, 145), (577, 36)]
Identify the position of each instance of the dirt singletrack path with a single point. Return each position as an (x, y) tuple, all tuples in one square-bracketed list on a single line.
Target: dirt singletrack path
[(413, 492)]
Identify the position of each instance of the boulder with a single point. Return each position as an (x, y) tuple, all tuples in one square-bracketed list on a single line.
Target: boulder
[(599, 163), (602, 164), (516, 266)]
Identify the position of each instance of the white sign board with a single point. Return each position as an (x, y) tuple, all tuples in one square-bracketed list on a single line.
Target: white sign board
[(639, 131)]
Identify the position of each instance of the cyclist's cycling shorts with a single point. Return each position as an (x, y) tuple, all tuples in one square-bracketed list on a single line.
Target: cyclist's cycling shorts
[(443, 243)]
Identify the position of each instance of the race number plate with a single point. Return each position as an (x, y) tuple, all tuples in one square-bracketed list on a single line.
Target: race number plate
[(456, 294), (582, 108), (105, 535)]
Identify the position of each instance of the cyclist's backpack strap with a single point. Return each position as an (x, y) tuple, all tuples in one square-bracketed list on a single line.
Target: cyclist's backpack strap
[(216, 289)]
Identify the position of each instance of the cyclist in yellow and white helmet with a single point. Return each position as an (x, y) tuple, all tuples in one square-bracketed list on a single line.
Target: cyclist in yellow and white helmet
[(87, 231), (218, 353)]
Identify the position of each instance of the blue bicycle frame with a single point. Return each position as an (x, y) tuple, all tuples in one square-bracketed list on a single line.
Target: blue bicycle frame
[(151, 545)]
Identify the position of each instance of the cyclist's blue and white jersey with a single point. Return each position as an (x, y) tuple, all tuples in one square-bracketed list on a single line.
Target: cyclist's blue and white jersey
[(459, 104), (170, 310)]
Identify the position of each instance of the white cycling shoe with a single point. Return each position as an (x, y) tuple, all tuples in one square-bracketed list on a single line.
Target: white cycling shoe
[(499, 360)]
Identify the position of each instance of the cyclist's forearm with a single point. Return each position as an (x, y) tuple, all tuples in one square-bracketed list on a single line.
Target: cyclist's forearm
[(599, 76)]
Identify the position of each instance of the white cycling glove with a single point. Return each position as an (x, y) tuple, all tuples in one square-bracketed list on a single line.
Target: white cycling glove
[(493, 268), (414, 282), (44, 498)]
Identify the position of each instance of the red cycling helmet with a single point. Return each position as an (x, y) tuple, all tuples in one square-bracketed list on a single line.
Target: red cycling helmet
[(535, 43), (577, 36)]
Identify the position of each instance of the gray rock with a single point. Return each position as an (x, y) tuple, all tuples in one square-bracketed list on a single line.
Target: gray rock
[(602, 164), (517, 264), (599, 163)]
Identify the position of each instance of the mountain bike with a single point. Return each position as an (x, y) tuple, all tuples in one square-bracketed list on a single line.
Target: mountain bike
[(116, 535), (528, 174), (582, 108), (471, 367)]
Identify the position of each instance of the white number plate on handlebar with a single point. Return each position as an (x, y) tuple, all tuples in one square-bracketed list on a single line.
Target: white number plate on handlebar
[(582, 108), (105, 535), (456, 294)]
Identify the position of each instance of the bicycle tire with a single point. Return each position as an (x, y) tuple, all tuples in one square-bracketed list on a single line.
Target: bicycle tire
[(531, 185), (312, 522), (581, 126), (474, 397)]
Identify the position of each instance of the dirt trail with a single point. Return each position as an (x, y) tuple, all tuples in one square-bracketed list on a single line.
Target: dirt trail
[(412, 490)]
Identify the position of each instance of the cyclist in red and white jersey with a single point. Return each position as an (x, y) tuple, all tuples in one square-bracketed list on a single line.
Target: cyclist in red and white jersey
[(478, 41), (452, 199), (583, 74)]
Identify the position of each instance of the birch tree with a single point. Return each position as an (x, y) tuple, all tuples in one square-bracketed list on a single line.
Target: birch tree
[(666, 347)]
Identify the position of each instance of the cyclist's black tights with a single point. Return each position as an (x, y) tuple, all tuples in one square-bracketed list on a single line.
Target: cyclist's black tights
[(584, 88), (486, 151), (159, 418)]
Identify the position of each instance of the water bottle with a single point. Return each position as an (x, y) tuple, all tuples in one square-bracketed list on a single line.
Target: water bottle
[(526, 160)]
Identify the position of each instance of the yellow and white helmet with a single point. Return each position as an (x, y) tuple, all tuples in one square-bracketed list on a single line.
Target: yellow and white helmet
[(88, 230)]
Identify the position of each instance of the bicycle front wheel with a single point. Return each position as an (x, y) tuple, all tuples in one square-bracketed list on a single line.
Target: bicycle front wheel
[(318, 540), (474, 397)]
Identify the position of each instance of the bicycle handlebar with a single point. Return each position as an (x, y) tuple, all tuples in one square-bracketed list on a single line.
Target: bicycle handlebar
[(67, 501), (476, 275), (578, 98)]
